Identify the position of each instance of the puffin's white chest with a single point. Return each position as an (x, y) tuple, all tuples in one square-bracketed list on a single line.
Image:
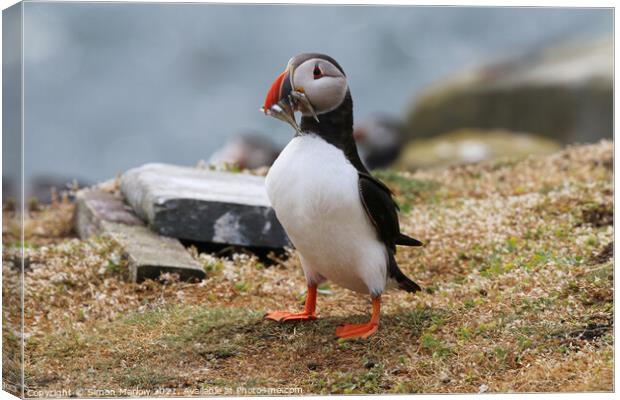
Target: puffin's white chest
[(314, 191)]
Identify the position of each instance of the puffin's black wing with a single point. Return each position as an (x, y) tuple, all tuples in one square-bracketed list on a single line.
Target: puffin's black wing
[(382, 211), (380, 207)]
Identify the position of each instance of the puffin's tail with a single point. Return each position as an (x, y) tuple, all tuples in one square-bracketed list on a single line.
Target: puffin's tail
[(403, 281), (404, 240)]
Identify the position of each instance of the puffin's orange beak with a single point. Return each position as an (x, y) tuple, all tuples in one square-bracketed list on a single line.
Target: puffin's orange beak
[(279, 102), (280, 88)]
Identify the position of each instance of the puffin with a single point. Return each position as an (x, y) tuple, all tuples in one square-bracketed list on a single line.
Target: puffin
[(342, 220)]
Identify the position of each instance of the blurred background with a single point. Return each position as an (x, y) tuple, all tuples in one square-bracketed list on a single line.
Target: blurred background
[(111, 86)]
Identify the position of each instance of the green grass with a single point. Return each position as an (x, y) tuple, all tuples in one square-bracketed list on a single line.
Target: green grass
[(409, 191)]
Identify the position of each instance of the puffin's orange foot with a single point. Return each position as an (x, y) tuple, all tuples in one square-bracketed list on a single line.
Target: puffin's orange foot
[(283, 316), (356, 331)]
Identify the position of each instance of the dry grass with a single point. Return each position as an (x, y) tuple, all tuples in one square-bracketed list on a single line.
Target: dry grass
[(518, 278)]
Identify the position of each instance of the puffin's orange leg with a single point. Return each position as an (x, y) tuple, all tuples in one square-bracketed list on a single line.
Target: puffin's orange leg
[(355, 331), (309, 312)]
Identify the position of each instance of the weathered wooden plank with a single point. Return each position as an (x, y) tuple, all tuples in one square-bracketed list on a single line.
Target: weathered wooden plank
[(149, 254), (203, 205)]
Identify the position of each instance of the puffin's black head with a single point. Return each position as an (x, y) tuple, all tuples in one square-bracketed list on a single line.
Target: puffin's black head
[(312, 83)]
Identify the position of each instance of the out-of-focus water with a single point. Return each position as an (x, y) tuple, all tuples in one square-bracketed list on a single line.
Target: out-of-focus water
[(110, 86)]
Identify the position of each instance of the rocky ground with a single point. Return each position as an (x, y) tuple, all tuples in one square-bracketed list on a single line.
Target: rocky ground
[(518, 296)]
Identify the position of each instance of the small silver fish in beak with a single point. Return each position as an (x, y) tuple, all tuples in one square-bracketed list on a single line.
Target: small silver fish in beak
[(304, 104), (284, 111)]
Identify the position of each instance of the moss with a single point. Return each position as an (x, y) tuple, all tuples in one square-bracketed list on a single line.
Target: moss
[(408, 190), (144, 377), (436, 347)]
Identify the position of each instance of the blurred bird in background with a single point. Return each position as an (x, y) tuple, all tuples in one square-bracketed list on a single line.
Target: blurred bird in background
[(247, 150), (379, 138)]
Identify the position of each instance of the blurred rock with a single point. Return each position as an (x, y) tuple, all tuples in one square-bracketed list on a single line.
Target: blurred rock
[(472, 145), (246, 151), (564, 93), (379, 139), (149, 255), (42, 187), (204, 206)]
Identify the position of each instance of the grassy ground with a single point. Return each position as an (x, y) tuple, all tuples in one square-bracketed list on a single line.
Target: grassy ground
[(518, 296)]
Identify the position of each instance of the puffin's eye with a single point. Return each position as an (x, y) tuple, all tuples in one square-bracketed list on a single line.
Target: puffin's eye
[(317, 73)]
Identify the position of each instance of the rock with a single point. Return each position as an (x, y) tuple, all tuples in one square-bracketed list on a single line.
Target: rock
[(370, 364), (483, 388), (149, 255), (203, 205), (312, 365), (472, 145), (96, 209), (564, 93), (45, 187)]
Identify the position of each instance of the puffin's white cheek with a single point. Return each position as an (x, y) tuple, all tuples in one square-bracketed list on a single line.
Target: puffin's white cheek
[(326, 93)]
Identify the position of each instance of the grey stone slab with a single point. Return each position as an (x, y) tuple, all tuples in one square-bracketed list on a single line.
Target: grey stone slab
[(94, 207), (204, 205), (149, 254)]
